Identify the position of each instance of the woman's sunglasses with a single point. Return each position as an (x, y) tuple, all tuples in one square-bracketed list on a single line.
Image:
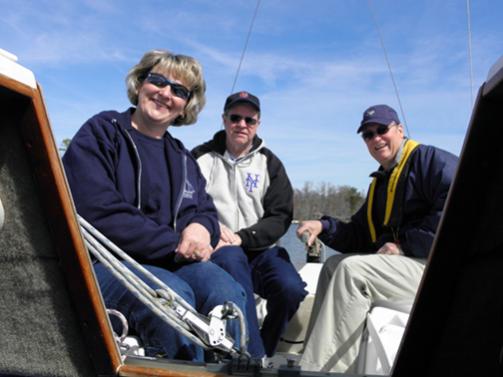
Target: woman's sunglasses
[(380, 130), (161, 82), (235, 118)]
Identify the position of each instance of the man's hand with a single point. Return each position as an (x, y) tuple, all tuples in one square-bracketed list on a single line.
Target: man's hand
[(228, 237), (313, 227), (195, 243), (222, 244), (390, 248)]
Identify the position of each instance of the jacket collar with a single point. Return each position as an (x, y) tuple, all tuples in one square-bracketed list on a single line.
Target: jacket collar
[(124, 120), (381, 172)]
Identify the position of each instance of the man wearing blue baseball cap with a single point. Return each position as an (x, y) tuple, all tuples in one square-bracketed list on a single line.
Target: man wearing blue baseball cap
[(254, 199), (391, 233)]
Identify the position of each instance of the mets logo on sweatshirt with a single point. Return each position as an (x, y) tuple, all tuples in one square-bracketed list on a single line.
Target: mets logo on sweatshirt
[(188, 190), (251, 181)]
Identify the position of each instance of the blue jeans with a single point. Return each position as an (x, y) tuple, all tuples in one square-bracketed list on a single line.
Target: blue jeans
[(272, 276), (203, 285)]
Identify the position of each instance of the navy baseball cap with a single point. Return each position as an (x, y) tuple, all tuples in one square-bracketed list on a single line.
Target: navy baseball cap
[(378, 114), (242, 97)]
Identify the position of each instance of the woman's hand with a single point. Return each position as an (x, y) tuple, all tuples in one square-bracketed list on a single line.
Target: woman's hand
[(195, 243)]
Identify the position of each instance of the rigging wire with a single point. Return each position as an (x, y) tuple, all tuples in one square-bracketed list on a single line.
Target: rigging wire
[(469, 25), (374, 19), (245, 46)]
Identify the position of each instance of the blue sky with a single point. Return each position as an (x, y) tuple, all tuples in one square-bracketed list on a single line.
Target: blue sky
[(315, 64)]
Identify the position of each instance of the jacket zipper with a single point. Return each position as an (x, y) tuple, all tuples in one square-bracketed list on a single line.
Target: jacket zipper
[(180, 195), (236, 177), (138, 179)]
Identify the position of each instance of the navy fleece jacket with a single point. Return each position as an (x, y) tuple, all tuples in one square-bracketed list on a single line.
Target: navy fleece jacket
[(104, 169), (426, 187)]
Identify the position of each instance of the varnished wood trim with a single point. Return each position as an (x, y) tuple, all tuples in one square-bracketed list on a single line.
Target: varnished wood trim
[(111, 361), (61, 220), (143, 371)]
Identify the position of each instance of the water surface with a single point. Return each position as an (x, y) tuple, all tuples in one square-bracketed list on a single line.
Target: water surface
[(296, 248)]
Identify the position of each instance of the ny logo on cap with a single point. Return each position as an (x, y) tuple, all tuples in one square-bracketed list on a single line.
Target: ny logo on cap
[(243, 94)]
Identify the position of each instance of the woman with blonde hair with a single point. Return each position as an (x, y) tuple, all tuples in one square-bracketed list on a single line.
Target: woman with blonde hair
[(142, 189)]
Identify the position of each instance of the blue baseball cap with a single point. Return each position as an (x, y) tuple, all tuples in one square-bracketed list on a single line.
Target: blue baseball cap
[(242, 97), (378, 114)]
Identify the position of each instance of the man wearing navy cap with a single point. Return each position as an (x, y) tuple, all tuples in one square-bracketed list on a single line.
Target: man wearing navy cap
[(392, 233), (254, 200)]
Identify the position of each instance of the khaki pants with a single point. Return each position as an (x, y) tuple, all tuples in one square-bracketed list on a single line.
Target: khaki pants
[(345, 293)]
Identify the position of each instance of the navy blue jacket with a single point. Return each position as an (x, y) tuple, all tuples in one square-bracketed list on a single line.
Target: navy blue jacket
[(425, 192), (103, 169)]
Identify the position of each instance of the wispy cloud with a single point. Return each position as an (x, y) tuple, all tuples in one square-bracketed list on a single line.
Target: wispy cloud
[(58, 33), (315, 65)]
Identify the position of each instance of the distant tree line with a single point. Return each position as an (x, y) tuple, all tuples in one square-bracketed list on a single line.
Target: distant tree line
[(313, 201)]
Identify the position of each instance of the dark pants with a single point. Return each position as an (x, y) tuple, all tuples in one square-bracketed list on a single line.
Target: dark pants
[(202, 284), (272, 276)]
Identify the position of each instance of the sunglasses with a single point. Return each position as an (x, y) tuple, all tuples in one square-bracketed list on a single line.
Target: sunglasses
[(235, 118), (161, 82), (380, 130)]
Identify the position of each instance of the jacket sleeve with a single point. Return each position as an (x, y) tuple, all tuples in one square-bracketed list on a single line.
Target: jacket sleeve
[(348, 237), (433, 175), (90, 165), (278, 210)]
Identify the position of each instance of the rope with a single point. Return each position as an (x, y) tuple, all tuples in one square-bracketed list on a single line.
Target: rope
[(374, 19), (245, 46), (122, 274), (163, 301)]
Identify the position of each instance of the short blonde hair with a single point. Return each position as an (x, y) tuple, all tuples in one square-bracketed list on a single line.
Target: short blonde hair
[(180, 67)]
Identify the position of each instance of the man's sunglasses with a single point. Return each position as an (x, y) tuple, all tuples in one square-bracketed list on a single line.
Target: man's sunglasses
[(161, 82), (235, 118), (380, 130)]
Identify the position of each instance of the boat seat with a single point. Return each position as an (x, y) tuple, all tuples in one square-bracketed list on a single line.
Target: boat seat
[(383, 333), (384, 328), (292, 341)]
